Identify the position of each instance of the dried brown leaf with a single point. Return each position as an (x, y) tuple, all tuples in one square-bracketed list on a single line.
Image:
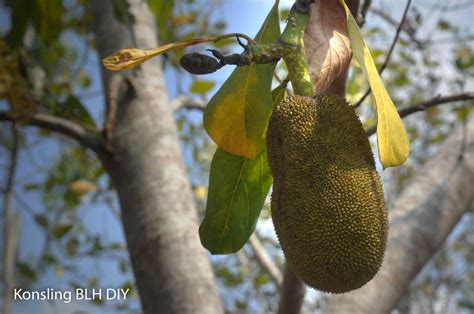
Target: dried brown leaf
[(327, 44)]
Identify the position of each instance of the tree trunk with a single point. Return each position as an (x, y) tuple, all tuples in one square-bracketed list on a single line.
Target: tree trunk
[(420, 220), (172, 271)]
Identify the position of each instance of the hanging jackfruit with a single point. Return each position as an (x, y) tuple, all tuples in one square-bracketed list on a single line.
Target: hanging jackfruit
[(327, 203)]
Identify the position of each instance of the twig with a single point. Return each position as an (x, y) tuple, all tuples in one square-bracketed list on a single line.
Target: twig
[(82, 62), (244, 262), (64, 127), (460, 6), (363, 12), (407, 28), (390, 51), (265, 261), (10, 226), (186, 102), (438, 100), (462, 151)]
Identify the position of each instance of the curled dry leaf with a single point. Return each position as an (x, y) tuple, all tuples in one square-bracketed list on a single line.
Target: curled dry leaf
[(327, 44), (131, 57)]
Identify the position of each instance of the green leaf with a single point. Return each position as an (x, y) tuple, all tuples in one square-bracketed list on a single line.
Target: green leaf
[(237, 190), (238, 187), (20, 13), (284, 14), (61, 230), (236, 117), (47, 18), (41, 220), (202, 86), (278, 93), (392, 138), (127, 286), (50, 259), (163, 10), (26, 271), (73, 109), (72, 246), (59, 271), (228, 278), (444, 25)]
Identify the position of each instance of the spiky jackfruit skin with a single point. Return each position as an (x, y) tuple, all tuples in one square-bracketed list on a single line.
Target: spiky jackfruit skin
[(327, 203)]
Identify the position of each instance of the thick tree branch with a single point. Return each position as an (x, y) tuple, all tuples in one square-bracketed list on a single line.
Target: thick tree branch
[(390, 50), (63, 127), (265, 260), (420, 220), (438, 100), (10, 226)]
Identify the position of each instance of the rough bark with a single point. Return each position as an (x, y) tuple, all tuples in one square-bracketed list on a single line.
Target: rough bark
[(172, 271), (420, 220)]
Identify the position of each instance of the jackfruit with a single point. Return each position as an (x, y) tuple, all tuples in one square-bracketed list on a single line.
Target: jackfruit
[(327, 203)]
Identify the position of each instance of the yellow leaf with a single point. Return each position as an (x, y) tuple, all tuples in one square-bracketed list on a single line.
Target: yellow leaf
[(200, 192), (392, 139), (237, 115), (82, 186)]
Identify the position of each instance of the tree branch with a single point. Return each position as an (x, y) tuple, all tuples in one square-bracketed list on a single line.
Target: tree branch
[(64, 127), (265, 260), (420, 220), (390, 51), (186, 102), (363, 12), (292, 294), (438, 100), (407, 28), (244, 262), (10, 226)]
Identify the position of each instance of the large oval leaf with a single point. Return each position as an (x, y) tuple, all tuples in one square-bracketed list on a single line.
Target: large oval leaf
[(236, 117), (238, 187), (237, 190), (392, 138)]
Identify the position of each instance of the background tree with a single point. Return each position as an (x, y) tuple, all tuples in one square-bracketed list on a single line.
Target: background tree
[(50, 81)]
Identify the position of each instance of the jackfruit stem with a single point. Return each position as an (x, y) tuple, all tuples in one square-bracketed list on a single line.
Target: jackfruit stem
[(292, 42)]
